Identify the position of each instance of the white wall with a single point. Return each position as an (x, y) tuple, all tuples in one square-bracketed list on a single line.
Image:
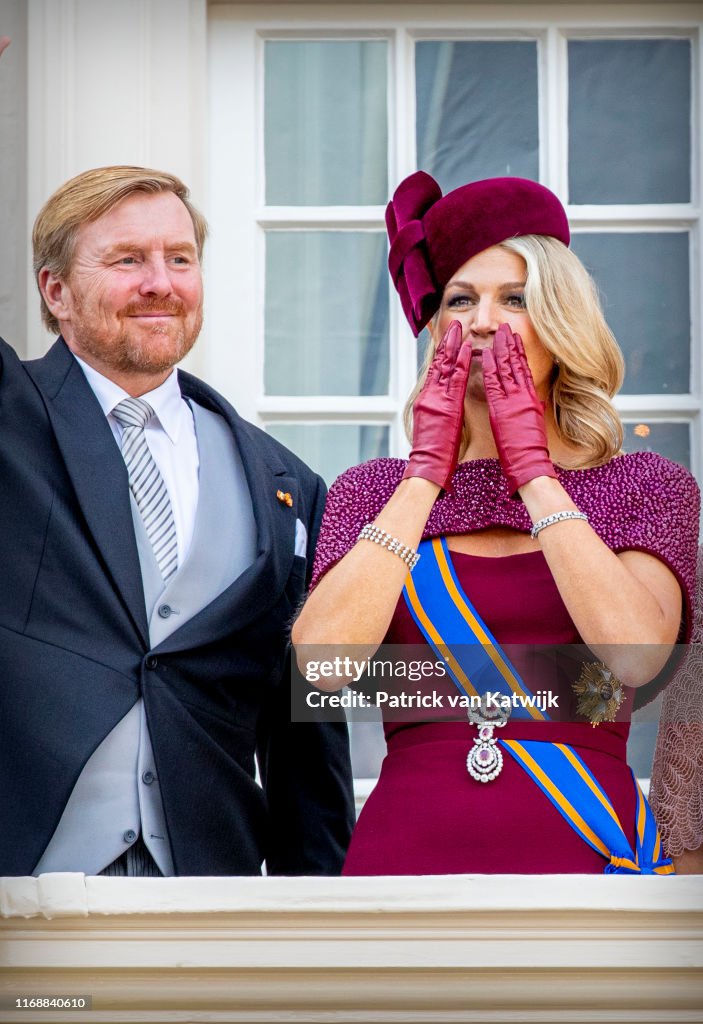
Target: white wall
[(13, 195), (106, 82)]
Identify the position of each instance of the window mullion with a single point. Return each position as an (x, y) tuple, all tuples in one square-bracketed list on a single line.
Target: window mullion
[(555, 126), (696, 260)]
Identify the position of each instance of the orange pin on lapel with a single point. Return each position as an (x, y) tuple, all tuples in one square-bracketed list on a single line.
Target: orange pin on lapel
[(285, 498)]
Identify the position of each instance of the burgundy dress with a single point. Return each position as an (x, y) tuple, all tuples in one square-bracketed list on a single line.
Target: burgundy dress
[(427, 815)]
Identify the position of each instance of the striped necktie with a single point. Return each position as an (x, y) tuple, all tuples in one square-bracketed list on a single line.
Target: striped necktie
[(146, 483)]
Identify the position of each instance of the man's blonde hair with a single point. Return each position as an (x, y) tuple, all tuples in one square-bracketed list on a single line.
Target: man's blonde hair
[(85, 198), (563, 305)]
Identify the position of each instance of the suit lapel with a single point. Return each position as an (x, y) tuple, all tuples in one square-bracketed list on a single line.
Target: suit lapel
[(96, 469), (260, 585)]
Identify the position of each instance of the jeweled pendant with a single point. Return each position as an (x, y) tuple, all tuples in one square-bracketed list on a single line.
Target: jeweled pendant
[(484, 762)]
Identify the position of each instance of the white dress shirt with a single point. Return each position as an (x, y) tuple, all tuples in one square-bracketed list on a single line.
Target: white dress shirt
[(170, 435)]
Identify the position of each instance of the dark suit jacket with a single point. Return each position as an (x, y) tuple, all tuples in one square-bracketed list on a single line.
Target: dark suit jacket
[(75, 655)]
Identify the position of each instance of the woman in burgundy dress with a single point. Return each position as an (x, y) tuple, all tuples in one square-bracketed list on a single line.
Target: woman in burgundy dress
[(533, 530)]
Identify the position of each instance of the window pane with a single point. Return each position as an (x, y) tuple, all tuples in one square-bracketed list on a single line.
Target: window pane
[(326, 313), (670, 439), (640, 747), (629, 121), (643, 738), (423, 343), (325, 122), (476, 110), (643, 279), (330, 448)]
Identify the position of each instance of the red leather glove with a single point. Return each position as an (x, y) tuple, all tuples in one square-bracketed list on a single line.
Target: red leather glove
[(516, 413), (438, 413)]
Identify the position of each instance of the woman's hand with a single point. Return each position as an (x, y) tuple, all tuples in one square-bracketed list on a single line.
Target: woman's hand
[(351, 608), (4, 43), (438, 413), (515, 410)]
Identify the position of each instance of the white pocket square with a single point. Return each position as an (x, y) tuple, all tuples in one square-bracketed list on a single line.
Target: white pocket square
[(301, 539)]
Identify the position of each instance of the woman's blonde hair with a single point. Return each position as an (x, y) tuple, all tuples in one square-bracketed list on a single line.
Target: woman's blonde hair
[(85, 198), (563, 305)]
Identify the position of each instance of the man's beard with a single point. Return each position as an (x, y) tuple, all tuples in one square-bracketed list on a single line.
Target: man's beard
[(128, 352)]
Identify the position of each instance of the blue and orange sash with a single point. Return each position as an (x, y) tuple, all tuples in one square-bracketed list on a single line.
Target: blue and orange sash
[(457, 633), (474, 660)]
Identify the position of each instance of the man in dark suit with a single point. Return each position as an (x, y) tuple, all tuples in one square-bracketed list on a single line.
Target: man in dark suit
[(154, 547)]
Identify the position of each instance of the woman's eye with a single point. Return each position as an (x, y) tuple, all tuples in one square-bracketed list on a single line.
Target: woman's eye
[(127, 261), (517, 300), (458, 301)]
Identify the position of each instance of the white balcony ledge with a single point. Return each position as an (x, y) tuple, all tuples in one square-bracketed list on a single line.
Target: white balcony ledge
[(444, 949)]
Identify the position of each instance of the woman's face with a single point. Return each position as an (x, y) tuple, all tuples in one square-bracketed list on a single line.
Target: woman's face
[(484, 293)]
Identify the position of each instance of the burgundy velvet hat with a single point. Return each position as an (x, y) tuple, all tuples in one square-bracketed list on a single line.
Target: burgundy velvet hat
[(432, 235)]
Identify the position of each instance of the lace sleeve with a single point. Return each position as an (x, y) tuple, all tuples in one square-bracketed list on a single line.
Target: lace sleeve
[(676, 792)]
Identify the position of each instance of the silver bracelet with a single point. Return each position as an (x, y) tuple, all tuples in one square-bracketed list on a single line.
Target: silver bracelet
[(556, 517), (378, 536)]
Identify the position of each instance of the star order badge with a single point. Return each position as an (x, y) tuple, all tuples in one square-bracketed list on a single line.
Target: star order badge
[(599, 693)]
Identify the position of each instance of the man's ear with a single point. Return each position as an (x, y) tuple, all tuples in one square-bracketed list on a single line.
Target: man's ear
[(55, 293)]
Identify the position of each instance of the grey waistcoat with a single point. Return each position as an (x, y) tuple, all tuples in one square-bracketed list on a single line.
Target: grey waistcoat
[(117, 794)]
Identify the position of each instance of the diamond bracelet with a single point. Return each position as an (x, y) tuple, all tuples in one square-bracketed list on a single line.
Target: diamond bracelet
[(556, 517), (374, 533)]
